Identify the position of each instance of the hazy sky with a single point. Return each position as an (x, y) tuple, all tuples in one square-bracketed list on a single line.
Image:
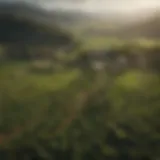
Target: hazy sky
[(99, 6), (104, 5)]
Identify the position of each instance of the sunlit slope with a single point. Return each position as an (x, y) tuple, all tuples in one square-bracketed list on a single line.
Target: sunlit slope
[(149, 28)]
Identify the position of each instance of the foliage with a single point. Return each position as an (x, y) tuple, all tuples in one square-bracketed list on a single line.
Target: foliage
[(72, 114)]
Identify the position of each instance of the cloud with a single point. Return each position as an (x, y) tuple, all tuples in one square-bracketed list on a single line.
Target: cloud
[(103, 5)]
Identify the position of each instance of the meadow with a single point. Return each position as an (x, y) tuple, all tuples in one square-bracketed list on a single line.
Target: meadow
[(77, 112)]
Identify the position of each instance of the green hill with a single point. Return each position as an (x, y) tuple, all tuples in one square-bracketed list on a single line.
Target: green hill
[(148, 28)]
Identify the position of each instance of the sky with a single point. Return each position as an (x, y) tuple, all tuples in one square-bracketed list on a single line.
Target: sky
[(99, 6), (103, 6)]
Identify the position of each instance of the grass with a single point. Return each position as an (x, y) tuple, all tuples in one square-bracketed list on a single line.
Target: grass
[(18, 71), (103, 42), (50, 107), (91, 43), (55, 81)]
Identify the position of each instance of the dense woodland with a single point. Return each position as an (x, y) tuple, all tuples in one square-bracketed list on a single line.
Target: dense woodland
[(64, 97)]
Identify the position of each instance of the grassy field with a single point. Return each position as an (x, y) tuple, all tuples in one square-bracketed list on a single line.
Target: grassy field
[(81, 114)]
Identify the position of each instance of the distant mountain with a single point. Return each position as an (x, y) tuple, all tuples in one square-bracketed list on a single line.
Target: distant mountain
[(148, 28), (143, 24), (70, 17)]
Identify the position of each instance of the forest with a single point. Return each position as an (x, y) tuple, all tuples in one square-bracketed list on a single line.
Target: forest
[(72, 93)]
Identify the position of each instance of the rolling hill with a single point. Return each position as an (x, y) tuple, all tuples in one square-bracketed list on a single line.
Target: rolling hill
[(148, 28), (23, 22)]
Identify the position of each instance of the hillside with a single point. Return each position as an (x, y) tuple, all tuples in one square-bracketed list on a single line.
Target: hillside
[(148, 28), (139, 25), (23, 22), (27, 30)]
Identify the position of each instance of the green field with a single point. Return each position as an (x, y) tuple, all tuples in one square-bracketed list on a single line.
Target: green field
[(82, 114)]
